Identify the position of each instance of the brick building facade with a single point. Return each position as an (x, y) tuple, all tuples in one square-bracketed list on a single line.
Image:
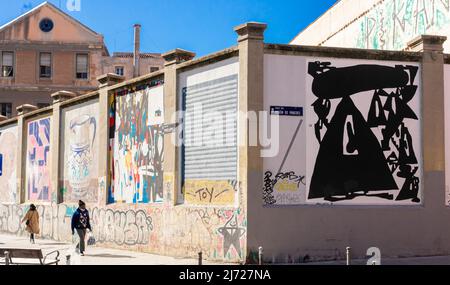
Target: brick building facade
[(45, 50)]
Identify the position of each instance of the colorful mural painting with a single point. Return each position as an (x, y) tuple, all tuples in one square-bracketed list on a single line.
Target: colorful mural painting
[(139, 147), (79, 149), (38, 160), (8, 164)]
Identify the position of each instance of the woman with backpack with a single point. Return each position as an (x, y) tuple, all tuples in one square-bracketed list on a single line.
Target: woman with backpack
[(32, 221)]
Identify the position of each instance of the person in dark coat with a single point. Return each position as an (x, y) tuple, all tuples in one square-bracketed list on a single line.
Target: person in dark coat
[(81, 223)]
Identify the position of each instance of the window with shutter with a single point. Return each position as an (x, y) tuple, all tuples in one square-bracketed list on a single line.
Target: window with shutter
[(82, 66), (6, 109), (7, 64), (45, 70)]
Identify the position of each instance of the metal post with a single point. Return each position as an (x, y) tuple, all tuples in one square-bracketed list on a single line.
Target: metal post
[(348, 255), (260, 255), (200, 258), (6, 257)]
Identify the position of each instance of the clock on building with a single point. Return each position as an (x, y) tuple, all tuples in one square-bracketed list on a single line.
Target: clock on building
[(46, 25)]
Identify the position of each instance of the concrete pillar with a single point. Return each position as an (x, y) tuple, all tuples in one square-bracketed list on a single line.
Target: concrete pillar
[(171, 164), (433, 116), (251, 85), (21, 151), (105, 81), (55, 141)]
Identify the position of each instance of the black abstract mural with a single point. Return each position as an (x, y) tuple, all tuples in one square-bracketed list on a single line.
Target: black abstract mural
[(352, 160)]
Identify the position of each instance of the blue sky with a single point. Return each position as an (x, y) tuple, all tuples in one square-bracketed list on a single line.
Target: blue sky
[(201, 26)]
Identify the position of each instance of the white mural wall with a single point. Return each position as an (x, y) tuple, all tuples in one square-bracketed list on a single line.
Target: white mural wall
[(447, 134), (8, 163), (359, 143), (284, 86)]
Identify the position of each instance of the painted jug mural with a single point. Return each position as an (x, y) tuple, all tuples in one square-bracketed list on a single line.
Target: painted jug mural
[(80, 150), (38, 160), (80, 161)]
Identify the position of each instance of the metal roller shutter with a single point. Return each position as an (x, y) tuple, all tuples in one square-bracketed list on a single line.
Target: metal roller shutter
[(205, 161)]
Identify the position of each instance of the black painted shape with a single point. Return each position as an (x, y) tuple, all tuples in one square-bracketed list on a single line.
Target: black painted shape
[(376, 112), (406, 148), (352, 196), (346, 81), (318, 67), (410, 189), (408, 92), (392, 161), (412, 73), (395, 119), (322, 108), (338, 174)]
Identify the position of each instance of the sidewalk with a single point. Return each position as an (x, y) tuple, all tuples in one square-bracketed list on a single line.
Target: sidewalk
[(107, 256), (97, 255)]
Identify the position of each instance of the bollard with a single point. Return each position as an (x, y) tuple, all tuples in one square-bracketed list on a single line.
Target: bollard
[(200, 258), (6, 257), (260, 255), (67, 259), (348, 255), (374, 263)]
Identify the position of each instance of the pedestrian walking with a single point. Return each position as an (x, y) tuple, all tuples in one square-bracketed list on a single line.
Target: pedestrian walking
[(31, 220), (81, 223)]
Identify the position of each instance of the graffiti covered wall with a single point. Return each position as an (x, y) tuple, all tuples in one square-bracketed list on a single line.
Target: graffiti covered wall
[(8, 164), (218, 233), (139, 147), (38, 160), (360, 141), (391, 24), (79, 152)]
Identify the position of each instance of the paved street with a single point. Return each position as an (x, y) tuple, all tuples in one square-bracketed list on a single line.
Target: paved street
[(95, 255), (107, 256)]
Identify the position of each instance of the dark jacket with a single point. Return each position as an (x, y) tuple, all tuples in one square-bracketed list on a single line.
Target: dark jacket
[(80, 220)]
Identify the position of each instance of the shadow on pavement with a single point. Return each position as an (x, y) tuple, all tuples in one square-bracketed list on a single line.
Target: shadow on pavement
[(56, 243), (108, 255)]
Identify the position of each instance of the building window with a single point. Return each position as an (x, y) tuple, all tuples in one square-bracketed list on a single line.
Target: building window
[(82, 66), (45, 65), (119, 70), (6, 109), (7, 64), (153, 69), (42, 105)]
